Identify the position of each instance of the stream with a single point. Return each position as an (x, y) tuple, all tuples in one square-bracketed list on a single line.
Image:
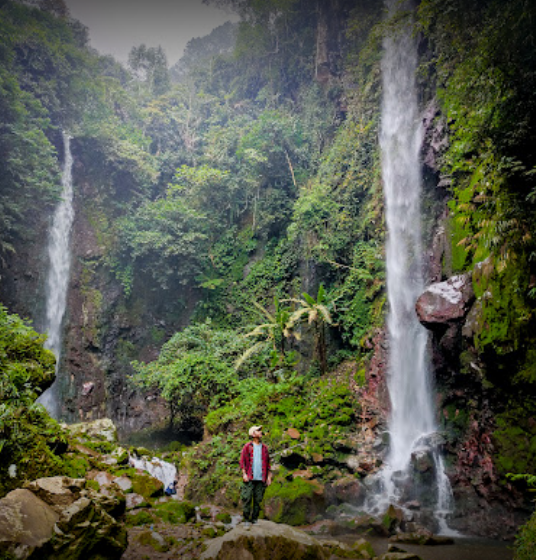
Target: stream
[(465, 548)]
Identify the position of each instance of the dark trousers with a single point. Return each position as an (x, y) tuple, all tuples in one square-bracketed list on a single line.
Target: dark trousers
[(251, 495)]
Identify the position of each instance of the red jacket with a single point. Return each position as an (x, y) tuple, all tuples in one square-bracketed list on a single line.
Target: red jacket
[(246, 461)]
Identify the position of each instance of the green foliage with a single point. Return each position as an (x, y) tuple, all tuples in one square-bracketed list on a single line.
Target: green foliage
[(316, 312), (525, 542), (515, 439), (273, 332), (28, 435), (485, 73), (360, 297), (150, 66), (322, 409), (193, 368)]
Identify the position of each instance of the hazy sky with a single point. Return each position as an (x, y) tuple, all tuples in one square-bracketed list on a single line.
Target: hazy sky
[(115, 26)]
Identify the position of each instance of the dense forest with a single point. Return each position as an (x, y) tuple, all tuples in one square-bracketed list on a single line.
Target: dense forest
[(229, 243)]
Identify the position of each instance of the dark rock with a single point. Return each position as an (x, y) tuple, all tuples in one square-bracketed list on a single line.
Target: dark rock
[(392, 519), (422, 461), (348, 489), (292, 459)]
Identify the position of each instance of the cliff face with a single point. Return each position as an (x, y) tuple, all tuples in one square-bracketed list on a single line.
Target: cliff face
[(471, 398), (107, 329)]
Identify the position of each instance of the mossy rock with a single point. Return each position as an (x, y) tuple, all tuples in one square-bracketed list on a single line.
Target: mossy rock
[(223, 517), (175, 512), (294, 503), (209, 531), (139, 518), (154, 540), (76, 466), (147, 486)]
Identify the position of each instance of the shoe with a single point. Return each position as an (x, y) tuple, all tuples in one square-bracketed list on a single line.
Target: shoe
[(246, 524), (255, 521)]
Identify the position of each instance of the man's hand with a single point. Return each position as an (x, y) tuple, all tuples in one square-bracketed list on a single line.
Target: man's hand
[(245, 477), (269, 479)]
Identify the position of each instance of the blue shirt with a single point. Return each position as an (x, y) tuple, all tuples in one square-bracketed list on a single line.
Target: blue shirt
[(257, 461)]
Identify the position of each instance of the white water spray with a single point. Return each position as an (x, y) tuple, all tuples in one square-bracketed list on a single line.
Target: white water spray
[(58, 274), (411, 423)]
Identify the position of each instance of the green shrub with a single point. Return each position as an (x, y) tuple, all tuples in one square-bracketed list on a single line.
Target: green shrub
[(525, 543)]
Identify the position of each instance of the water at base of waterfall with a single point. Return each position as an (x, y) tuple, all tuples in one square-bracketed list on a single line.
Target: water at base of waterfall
[(58, 274), (413, 471)]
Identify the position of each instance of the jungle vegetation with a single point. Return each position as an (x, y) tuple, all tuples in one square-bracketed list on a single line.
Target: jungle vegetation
[(251, 175)]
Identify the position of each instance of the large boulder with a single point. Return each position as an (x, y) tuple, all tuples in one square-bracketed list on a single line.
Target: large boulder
[(446, 302), (58, 518), (347, 489), (26, 523), (271, 541), (297, 502), (102, 429)]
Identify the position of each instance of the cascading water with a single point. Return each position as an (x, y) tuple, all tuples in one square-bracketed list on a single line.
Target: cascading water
[(411, 424), (58, 274)]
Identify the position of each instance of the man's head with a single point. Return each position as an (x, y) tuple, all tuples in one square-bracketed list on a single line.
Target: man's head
[(255, 432)]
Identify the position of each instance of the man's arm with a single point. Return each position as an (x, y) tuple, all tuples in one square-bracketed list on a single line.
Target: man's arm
[(268, 468), (244, 457)]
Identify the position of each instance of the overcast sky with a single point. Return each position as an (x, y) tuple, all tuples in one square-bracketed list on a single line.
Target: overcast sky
[(115, 26)]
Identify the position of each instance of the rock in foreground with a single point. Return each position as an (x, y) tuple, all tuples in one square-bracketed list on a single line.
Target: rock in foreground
[(271, 541), (57, 518)]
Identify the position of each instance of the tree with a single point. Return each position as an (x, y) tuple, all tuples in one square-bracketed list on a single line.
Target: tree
[(273, 333), (150, 66), (193, 368), (316, 313)]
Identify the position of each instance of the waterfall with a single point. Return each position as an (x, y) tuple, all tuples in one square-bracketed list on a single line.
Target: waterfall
[(412, 423), (59, 255)]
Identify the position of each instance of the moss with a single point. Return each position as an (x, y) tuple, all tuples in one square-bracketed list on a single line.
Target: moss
[(76, 466), (147, 486), (515, 440), (93, 485), (223, 517), (290, 501), (147, 539), (140, 518), (175, 512), (525, 543), (209, 532)]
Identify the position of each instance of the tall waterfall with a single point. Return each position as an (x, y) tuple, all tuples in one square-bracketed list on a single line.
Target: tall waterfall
[(411, 424), (58, 273)]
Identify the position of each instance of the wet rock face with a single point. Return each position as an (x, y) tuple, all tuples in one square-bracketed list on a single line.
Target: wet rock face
[(58, 518), (443, 303)]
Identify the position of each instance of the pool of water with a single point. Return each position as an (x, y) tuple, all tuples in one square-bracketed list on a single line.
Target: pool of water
[(462, 549)]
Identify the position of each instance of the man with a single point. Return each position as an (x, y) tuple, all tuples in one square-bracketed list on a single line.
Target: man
[(256, 474)]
